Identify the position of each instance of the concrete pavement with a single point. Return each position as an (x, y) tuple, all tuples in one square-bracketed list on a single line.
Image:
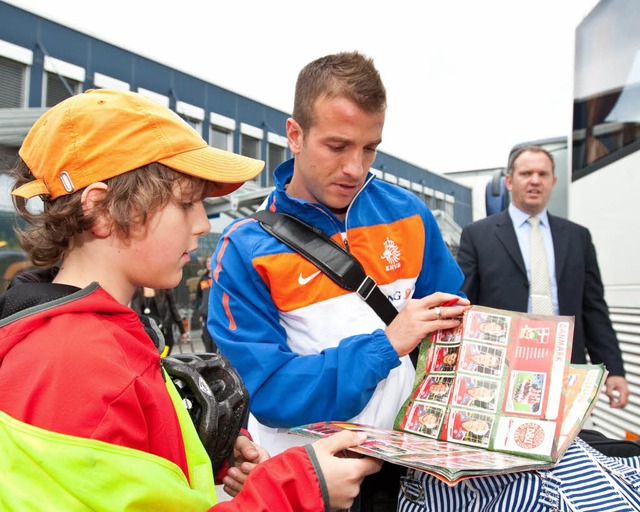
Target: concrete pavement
[(193, 346)]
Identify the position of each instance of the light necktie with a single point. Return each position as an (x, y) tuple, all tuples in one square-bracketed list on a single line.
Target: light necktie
[(540, 285)]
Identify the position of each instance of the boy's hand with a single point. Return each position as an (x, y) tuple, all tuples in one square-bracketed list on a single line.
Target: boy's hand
[(343, 475), (246, 455)]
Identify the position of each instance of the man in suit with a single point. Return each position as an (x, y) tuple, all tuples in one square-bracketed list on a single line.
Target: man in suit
[(495, 257)]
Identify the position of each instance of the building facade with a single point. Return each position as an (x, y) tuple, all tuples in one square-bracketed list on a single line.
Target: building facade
[(43, 62)]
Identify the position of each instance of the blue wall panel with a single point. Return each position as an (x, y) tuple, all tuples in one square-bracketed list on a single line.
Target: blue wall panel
[(45, 37)]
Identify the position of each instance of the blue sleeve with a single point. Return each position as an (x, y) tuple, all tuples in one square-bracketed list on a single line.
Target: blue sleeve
[(286, 389)]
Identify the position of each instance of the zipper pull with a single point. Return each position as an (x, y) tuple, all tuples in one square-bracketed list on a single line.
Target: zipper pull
[(345, 241)]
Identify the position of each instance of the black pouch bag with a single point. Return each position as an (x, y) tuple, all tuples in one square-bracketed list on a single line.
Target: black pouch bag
[(608, 446)]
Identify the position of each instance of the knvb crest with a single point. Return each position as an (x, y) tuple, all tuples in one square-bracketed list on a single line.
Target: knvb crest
[(391, 254)]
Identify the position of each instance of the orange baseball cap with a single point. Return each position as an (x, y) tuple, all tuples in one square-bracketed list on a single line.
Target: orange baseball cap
[(103, 133)]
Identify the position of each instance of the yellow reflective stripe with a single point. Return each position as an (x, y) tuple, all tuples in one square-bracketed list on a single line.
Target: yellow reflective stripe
[(198, 461), (40, 469)]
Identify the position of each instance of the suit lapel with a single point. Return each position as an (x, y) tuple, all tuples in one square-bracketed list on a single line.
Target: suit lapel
[(507, 236)]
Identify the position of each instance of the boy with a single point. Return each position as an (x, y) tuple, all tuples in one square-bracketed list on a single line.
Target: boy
[(88, 420)]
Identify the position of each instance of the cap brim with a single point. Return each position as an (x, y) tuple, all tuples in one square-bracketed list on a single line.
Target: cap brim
[(228, 170)]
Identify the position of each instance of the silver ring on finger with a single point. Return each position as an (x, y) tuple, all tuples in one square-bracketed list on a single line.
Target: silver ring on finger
[(438, 313)]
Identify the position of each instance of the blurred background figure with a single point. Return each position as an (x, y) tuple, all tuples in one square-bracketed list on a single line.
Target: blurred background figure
[(160, 304), (504, 269), (202, 306)]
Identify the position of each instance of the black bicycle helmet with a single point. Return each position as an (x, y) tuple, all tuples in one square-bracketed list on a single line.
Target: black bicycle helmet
[(215, 397)]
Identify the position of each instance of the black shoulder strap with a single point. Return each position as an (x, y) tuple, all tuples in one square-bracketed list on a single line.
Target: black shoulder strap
[(341, 266)]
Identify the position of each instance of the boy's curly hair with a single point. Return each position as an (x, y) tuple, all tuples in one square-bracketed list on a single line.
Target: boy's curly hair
[(130, 200)]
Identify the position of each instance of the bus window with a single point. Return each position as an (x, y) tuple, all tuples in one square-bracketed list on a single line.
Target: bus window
[(606, 109)]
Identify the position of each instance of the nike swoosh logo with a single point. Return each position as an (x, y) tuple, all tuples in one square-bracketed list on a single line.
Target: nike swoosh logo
[(304, 280)]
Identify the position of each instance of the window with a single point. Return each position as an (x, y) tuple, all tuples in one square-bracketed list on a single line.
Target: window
[(56, 90), (606, 112), (250, 146), (196, 124), (221, 138), (430, 201), (14, 73), (275, 157), (276, 154), (448, 208), (250, 139), (61, 81), (221, 131), (12, 83), (191, 114)]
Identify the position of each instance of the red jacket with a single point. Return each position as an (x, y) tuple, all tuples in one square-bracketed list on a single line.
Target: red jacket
[(83, 365)]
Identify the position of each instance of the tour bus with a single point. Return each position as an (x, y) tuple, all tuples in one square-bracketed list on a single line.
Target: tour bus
[(598, 169), (604, 190)]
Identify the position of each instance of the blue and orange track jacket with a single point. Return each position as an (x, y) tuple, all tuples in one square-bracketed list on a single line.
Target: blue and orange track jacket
[(307, 349)]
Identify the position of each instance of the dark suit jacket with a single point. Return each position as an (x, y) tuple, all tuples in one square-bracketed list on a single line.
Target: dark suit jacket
[(495, 276)]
